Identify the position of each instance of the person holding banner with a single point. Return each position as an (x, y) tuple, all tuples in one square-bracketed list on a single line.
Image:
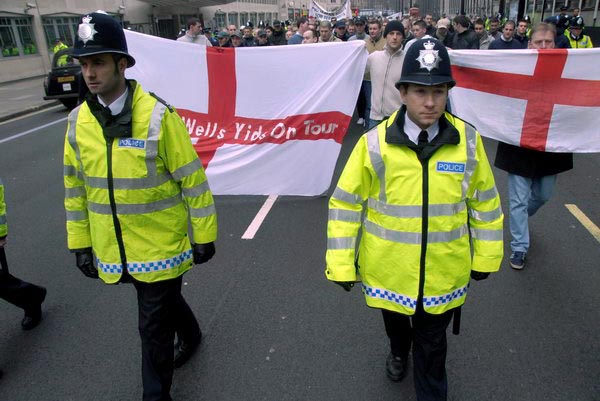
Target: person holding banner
[(433, 219), (133, 186), (531, 174), (22, 294)]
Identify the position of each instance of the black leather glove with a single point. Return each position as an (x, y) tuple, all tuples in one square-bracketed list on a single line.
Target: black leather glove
[(346, 285), (203, 252), (85, 262), (477, 276)]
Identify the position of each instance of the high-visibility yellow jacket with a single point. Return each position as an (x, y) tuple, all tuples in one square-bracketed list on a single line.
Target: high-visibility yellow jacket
[(129, 198), (3, 225), (62, 60), (584, 42), (426, 220)]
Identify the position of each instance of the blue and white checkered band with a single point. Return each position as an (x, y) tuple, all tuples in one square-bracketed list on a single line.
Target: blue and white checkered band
[(132, 143), (389, 296), (444, 299), (86, 30), (429, 58), (146, 267)]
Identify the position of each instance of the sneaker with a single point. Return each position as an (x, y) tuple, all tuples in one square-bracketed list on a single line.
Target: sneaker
[(517, 260), (395, 367), (360, 121)]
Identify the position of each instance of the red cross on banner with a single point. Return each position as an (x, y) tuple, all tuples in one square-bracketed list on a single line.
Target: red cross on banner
[(543, 91), (221, 126)]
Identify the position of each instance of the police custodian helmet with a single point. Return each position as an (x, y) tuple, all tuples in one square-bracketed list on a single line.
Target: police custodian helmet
[(100, 33), (426, 63)]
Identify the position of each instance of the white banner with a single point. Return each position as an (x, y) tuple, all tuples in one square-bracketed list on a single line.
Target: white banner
[(545, 100), (264, 120), (319, 12)]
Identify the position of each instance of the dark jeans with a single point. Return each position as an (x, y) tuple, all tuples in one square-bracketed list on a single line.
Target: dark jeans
[(20, 293), (162, 313), (361, 102), (427, 335)]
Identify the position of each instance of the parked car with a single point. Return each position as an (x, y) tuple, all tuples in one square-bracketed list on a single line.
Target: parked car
[(64, 79)]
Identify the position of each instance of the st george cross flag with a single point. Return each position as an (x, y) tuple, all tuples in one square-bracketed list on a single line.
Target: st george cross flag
[(264, 120), (545, 100)]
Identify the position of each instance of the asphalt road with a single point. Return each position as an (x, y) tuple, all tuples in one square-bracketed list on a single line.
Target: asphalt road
[(274, 328)]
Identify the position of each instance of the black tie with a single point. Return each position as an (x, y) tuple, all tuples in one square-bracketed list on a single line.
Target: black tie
[(423, 139)]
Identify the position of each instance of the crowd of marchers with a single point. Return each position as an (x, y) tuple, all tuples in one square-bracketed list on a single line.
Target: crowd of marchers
[(460, 32)]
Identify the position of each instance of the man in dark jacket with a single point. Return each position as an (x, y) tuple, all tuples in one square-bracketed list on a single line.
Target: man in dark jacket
[(278, 36), (531, 173), (464, 37), (507, 39)]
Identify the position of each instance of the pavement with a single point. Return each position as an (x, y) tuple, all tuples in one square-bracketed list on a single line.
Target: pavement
[(22, 97)]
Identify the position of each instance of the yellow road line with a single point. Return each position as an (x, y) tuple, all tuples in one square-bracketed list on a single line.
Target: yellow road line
[(584, 220)]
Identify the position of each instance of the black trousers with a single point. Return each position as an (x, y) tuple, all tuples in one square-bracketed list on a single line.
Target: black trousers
[(361, 102), (20, 293), (162, 313), (427, 335)]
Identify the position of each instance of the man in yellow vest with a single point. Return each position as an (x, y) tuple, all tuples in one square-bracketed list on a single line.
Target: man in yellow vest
[(59, 45), (574, 33), (420, 190), (132, 181)]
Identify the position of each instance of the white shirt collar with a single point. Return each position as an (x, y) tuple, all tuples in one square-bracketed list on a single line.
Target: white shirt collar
[(412, 130), (117, 106)]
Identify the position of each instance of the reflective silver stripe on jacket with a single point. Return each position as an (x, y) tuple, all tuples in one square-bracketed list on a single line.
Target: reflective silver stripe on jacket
[(203, 211), (74, 192), (139, 208), (408, 211), (341, 243), (486, 195), (414, 238), (77, 215), (447, 298), (377, 160), (197, 190), (153, 135), (186, 170), (487, 235), (344, 215), (391, 296), (345, 196), (486, 216), (71, 171), (72, 137), (471, 136), (128, 183)]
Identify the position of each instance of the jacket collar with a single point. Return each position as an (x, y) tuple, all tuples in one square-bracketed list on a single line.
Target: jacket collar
[(395, 135)]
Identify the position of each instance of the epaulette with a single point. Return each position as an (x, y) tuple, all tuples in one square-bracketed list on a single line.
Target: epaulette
[(154, 95)]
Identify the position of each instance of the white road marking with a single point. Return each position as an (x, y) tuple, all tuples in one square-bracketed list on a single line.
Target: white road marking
[(259, 218), (585, 221), (10, 138)]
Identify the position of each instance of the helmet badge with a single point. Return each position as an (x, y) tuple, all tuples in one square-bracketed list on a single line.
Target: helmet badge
[(429, 58), (86, 30)]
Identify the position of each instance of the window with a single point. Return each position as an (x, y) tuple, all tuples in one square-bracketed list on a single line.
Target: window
[(253, 19), (64, 28), (243, 18), (220, 20), (261, 17), (16, 37), (232, 19)]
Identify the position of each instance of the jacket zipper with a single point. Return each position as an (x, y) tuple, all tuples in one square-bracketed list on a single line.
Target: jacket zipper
[(113, 205), (424, 227)]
